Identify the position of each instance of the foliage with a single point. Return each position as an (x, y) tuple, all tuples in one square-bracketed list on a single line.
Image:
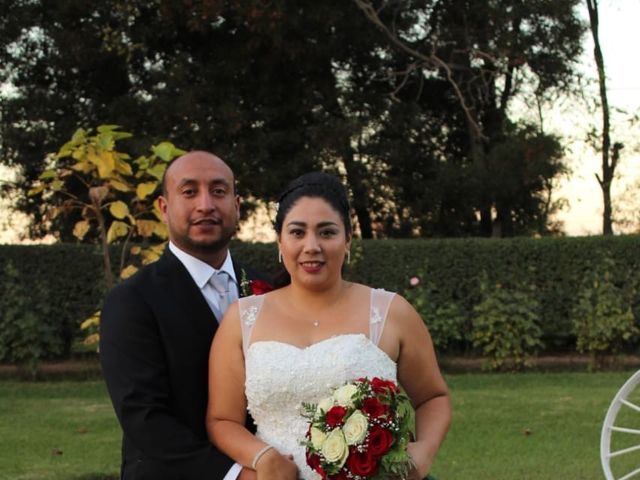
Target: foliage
[(454, 267), (88, 174), (297, 86), (47, 292), (109, 184), (28, 333), (505, 325), (446, 321), (464, 64), (602, 315)]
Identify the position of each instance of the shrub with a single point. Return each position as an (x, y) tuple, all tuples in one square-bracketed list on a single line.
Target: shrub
[(602, 317), (444, 319), (505, 325), (451, 272), (60, 284), (28, 333)]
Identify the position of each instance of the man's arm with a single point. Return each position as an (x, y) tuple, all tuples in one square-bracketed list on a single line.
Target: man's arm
[(135, 370)]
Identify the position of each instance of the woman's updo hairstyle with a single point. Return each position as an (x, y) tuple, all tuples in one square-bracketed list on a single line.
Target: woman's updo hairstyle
[(315, 185)]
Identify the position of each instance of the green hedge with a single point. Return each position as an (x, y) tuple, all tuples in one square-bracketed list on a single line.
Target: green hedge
[(454, 268), (60, 285), (46, 291)]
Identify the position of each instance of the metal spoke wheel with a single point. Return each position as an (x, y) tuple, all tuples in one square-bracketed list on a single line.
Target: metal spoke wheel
[(620, 438)]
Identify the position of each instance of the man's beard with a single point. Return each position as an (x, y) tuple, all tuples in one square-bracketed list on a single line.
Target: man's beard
[(211, 246)]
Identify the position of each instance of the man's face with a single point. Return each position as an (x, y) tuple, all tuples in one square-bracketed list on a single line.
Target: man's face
[(200, 206)]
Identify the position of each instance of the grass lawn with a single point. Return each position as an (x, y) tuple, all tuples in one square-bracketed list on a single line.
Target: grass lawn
[(505, 427), (527, 426), (57, 430)]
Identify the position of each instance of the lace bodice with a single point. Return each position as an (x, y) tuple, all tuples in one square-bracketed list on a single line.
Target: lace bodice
[(280, 376)]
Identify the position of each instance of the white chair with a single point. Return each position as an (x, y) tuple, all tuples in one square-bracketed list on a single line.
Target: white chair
[(620, 437)]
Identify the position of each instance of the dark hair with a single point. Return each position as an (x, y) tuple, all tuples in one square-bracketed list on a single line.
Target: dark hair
[(318, 185)]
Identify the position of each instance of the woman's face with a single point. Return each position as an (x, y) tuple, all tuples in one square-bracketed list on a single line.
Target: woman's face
[(313, 242)]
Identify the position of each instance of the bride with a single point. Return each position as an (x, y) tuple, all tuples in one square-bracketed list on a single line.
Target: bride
[(296, 344)]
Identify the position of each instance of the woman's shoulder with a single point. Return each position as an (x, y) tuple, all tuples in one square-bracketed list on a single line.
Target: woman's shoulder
[(379, 292), (400, 309)]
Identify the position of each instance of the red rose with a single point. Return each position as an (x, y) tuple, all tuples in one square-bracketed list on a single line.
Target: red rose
[(313, 461), (380, 440), (362, 463), (382, 386), (335, 416), (258, 287), (374, 408), (320, 471)]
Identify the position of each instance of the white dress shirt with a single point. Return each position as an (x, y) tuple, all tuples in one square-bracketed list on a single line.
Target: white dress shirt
[(201, 273)]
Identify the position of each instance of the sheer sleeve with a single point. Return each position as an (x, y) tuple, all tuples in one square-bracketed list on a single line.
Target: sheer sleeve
[(249, 311), (380, 302)]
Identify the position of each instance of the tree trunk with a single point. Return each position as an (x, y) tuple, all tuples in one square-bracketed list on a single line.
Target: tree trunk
[(608, 164), (355, 176)]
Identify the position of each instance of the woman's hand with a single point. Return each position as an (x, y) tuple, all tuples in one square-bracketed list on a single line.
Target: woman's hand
[(274, 465), (422, 462), (247, 474)]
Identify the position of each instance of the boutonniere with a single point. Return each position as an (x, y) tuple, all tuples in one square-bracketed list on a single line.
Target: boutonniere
[(252, 287)]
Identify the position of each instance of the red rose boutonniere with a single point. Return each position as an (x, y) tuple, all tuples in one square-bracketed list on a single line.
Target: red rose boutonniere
[(252, 287), (258, 287)]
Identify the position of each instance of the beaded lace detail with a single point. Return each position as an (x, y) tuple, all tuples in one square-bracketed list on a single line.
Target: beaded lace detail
[(249, 315), (376, 317), (280, 377)]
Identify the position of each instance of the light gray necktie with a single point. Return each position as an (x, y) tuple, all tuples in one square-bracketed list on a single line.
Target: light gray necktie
[(220, 283)]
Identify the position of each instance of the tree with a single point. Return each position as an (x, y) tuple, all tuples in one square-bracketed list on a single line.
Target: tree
[(254, 82), (484, 52), (276, 89), (116, 196), (113, 195), (610, 153)]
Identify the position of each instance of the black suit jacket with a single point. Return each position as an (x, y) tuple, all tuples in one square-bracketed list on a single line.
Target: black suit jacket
[(156, 330)]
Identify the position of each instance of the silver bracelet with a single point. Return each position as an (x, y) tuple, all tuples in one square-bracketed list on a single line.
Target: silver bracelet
[(259, 455)]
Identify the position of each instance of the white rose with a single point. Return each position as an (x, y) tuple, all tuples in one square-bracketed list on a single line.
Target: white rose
[(334, 448), (355, 428), (317, 437), (343, 395), (325, 405)]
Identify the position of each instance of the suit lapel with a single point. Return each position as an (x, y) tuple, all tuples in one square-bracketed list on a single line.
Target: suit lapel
[(188, 295)]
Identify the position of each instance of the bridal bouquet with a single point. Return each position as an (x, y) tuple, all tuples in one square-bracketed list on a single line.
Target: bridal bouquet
[(360, 432)]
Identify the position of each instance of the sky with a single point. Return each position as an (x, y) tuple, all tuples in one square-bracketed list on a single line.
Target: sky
[(618, 28), (583, 213)]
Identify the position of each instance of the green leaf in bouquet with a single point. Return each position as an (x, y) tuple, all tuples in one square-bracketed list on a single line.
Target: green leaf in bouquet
[(406, 414), (397, 462), (309, 410)]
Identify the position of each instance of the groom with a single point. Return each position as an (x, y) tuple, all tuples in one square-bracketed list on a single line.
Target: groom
[(157, 328)]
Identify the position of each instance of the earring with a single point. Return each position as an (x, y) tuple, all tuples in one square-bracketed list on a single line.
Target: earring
[(279, 256), (348, 257)]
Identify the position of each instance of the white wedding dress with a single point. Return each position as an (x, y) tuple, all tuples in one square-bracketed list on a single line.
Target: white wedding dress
[(280, 376)]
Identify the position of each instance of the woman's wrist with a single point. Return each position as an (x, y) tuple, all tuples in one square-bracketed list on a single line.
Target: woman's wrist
[(421, 456), (259, 454)]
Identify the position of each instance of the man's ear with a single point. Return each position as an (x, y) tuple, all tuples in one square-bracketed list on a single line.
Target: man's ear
[(162, 206)]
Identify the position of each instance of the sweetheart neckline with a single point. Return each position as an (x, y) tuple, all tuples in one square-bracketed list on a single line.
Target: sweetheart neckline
[(311, 345), (306, 347)]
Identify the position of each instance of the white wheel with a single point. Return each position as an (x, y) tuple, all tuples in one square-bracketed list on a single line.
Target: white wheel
[(620, 438)]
